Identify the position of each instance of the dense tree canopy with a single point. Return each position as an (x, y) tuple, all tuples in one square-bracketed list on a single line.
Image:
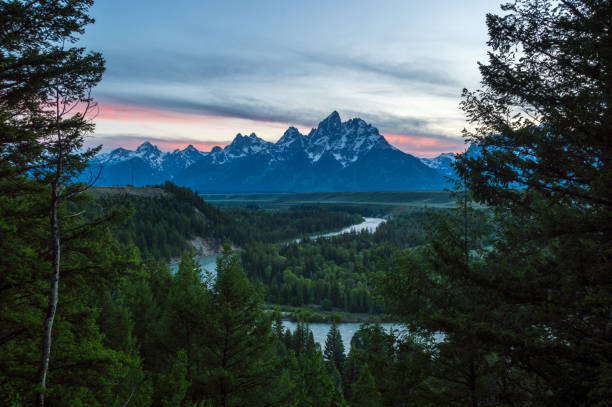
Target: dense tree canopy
[(526, 316), (506, 298)]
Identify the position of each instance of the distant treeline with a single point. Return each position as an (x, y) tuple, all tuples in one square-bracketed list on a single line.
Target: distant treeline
[(162, 225)]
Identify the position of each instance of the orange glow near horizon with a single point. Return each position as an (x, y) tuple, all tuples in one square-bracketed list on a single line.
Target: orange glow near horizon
[(424, 146), (127, 113)]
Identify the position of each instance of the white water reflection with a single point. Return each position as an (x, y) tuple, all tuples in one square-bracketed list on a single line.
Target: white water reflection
[(347, 330), (369, 224)]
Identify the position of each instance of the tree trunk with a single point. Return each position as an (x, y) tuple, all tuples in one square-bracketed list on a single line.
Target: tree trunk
[(53, 297), (473, 384)]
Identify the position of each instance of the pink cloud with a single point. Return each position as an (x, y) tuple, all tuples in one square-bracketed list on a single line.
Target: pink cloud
[(417, 145), (424, 146), (127, 113)]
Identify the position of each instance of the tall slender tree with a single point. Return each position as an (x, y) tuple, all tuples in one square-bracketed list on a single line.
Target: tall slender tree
[(66, 123), (45, 112), (242, 367), (334, 348)]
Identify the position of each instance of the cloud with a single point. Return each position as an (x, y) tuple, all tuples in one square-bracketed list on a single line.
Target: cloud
[(164, 66), (401, 71), (179, 109), (133, 107)]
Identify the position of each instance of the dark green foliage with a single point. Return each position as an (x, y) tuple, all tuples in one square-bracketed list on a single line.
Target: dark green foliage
[(364, 391), (527, 318), (333, 272), (334, 348), (550, 67), (94, 359), (162, 225), (241, 368), (281, 225), (35, 57), (375, 351)]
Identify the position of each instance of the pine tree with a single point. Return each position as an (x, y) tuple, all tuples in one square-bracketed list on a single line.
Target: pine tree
[(239, 344), (31, 60), (45, 105), (542, 124), (315, 383), (334, 348)]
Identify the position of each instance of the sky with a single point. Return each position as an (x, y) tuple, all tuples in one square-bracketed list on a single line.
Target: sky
[(199, 72)]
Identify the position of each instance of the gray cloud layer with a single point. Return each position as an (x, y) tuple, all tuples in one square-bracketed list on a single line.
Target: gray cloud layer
[(164, 66), (260, 110)]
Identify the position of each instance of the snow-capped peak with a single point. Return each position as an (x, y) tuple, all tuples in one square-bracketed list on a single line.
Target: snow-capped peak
[(154, 157), (331, 124), (291, 136), (241, 146), (346, 142), (148, 148)]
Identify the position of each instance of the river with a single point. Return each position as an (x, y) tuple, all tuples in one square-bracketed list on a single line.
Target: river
[(369, 224), (319, 329), (209, 263), (347, 330)]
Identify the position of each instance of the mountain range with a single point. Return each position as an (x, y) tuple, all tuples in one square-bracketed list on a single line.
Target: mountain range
[(334, 156)]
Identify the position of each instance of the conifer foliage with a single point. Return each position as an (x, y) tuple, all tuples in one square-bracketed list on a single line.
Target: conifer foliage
[(525, 309), (334, 348), (543, 121)]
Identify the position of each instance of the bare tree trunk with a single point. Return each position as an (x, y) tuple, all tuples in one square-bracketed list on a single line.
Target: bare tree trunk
[(55, 266), (465, 227), (53, 298)]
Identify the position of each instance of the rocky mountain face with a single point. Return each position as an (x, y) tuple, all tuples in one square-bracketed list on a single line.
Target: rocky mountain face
[(146, 165), (335, 156)]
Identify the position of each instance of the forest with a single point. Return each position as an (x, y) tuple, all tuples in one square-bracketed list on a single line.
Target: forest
[(504, 299), (162, 225), (336, 272)]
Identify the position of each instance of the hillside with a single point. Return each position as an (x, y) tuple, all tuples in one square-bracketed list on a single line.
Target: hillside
[(166, 220)]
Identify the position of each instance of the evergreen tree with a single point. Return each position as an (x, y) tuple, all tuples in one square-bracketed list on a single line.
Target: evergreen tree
[(334, 348), (44, 107), (96, 360), (526, 318), (31, 61), (364, 391), (542, 122), (239, 346), (315, 383)]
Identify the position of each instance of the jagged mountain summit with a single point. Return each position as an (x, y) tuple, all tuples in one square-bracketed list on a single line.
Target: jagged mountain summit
[(334, 156), (146, 165)]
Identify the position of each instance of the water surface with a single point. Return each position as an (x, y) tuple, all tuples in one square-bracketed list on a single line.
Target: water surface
[(347, 330)]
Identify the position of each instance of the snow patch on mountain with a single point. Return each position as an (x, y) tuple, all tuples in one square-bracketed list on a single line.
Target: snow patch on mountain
[(346, 142), (154, 157)]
